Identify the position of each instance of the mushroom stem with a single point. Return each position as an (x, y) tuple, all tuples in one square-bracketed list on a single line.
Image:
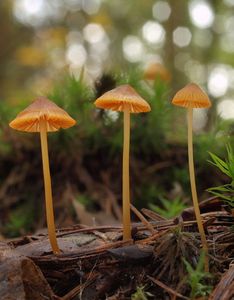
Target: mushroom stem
[(193, 187), (126, 193), (47, 185)]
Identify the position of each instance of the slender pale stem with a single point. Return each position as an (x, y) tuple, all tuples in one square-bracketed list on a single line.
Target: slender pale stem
[(126, 192), (48, 191), (193, 187)]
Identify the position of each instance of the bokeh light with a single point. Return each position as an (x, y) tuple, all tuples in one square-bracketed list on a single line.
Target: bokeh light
[(161, 11), (153, 32), (182, 36), (94, 33), (201, 13), (218, 81), (133, 48), (199, 119), (76, 55), (37, 12), (225, 109)]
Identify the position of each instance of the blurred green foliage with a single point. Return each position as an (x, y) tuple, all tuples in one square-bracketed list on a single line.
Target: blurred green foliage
[(93, 148), (86, 202), (20, 220), (226, 191), (141, 294), (169, 208), (197, 278), (154, 126)]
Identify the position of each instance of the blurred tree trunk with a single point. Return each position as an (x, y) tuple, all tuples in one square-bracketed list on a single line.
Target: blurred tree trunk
[(12, 35), (178, 17)]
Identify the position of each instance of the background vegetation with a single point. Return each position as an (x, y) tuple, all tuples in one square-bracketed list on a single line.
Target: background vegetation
[(73, 51)]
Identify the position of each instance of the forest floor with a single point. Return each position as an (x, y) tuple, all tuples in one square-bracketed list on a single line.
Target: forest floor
[(161, 261)]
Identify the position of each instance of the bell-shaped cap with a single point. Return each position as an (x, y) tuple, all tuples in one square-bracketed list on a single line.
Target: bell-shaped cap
[(42, 109), (123, 98), (191, 96), (157, 70)]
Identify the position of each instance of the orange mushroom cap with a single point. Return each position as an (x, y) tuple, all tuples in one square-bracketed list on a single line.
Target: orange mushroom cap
[(191, 96), (42, 108), (155, 70), (123, 98)]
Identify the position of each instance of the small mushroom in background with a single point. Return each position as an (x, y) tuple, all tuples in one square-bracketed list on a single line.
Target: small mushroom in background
[(44, 116), (157, 70), (124, 98), (190, 97)]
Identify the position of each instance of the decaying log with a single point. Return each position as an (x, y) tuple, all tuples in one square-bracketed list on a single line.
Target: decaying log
[(225, 288), (20, 278), (96, 263)]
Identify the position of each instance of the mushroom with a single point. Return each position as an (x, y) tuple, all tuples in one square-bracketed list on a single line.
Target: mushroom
[(124, 98), (44, 116), (191, 96), (155, 71)]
